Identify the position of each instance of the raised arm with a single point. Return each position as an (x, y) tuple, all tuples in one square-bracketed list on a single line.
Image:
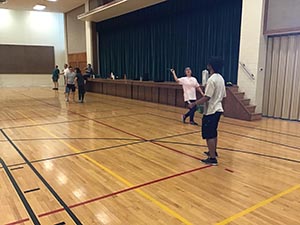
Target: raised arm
[(174, 75)]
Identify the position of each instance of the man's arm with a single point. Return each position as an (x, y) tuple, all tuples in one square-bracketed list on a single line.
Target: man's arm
[(174, 75), (200, 101), (200, 90)]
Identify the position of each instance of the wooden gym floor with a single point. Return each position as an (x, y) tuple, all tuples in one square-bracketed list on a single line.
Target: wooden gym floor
[(119, 161)]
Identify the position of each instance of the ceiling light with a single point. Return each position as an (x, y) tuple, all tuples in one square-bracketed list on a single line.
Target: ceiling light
[(39, 7), (52, 0)]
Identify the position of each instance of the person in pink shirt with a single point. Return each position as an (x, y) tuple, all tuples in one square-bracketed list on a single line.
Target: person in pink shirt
[(189, 85)]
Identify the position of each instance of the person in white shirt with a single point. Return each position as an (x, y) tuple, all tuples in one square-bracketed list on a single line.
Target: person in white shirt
[(215, 92), (65, 72), (189, 85), (70, 84)]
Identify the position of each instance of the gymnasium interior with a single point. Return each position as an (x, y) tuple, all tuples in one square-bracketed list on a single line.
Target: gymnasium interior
[(122, 155)]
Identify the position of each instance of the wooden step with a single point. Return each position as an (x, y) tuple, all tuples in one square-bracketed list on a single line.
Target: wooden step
[(256, 116), (246, 101), (240, 95), (235, 88), (251, 108)]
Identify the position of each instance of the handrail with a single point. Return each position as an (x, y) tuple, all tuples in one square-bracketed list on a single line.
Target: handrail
[(251, 75)]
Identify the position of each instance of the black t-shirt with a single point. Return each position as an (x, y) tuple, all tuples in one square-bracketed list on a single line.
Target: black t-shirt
[(80, 79)]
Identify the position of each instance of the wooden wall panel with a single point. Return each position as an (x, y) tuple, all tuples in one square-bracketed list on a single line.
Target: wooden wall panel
[(78, 60)]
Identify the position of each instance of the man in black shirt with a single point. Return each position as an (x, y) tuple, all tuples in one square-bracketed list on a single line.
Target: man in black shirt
[(81, 84)]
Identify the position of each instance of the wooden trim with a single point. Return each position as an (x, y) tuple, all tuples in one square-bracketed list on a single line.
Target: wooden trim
[(167, 93), (266, 14), (283, 31)]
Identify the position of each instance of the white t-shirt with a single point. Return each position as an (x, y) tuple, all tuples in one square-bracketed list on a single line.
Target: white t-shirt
[(66, 71), (189, 85), (215, 89), (70, 77)]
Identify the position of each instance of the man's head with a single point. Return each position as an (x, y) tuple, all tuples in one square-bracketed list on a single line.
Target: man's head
[(66, 66), (188, 72), (215, 65), (89, 65), (56, 66), (77, 70), (71, 68)]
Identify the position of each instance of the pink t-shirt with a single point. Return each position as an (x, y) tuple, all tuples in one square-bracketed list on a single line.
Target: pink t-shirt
[(189, 85)]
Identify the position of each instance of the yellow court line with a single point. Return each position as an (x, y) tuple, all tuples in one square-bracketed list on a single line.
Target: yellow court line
[(258, 205), (118, 177)]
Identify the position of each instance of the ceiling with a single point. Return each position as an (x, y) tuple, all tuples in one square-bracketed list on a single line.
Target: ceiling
[(59, 6), (116, 8)]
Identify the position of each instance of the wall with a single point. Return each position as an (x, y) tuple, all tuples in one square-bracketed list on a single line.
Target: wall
[(32, 28), (76, 36), (252, 51)]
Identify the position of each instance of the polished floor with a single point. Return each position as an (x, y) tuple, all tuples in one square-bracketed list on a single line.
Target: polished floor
[(119, 161)]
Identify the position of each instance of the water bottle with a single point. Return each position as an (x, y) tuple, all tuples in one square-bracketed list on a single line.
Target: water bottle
[(205, 75)]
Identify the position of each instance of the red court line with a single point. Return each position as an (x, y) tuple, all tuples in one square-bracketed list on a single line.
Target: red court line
[(115, 193), (229, 170), (18, 222), (115, 128), (169, 148), (175, 150)]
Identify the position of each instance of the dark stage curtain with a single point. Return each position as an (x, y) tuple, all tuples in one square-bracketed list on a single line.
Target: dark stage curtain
[(173, 34)]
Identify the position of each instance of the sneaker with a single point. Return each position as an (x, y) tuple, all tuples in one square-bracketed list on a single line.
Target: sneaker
[(194, 123), (207, 154), (210, 161), (183, 118)]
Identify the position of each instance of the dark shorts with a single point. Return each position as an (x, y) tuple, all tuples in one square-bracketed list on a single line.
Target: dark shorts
[(70, 87), (55, 79), (210, 125)]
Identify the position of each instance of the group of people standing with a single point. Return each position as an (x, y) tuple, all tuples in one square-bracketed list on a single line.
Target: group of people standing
[(72, 78)]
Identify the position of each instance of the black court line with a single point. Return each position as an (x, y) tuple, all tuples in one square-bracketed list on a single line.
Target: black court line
[(250, 127), (240, 135), (77, 153), (250, 137), (138, 141), (238, 125), (31, 190), (17, 168), (61, 223), (20, 194), (66, 138), (235, 150), (175, 135), (263, 129), (258, 139), (42, 124), (49, 187), (117, 116), (70, 121)]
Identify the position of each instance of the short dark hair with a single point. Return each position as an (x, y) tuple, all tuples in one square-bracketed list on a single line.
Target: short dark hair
[(216, 63), (77, 70)]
